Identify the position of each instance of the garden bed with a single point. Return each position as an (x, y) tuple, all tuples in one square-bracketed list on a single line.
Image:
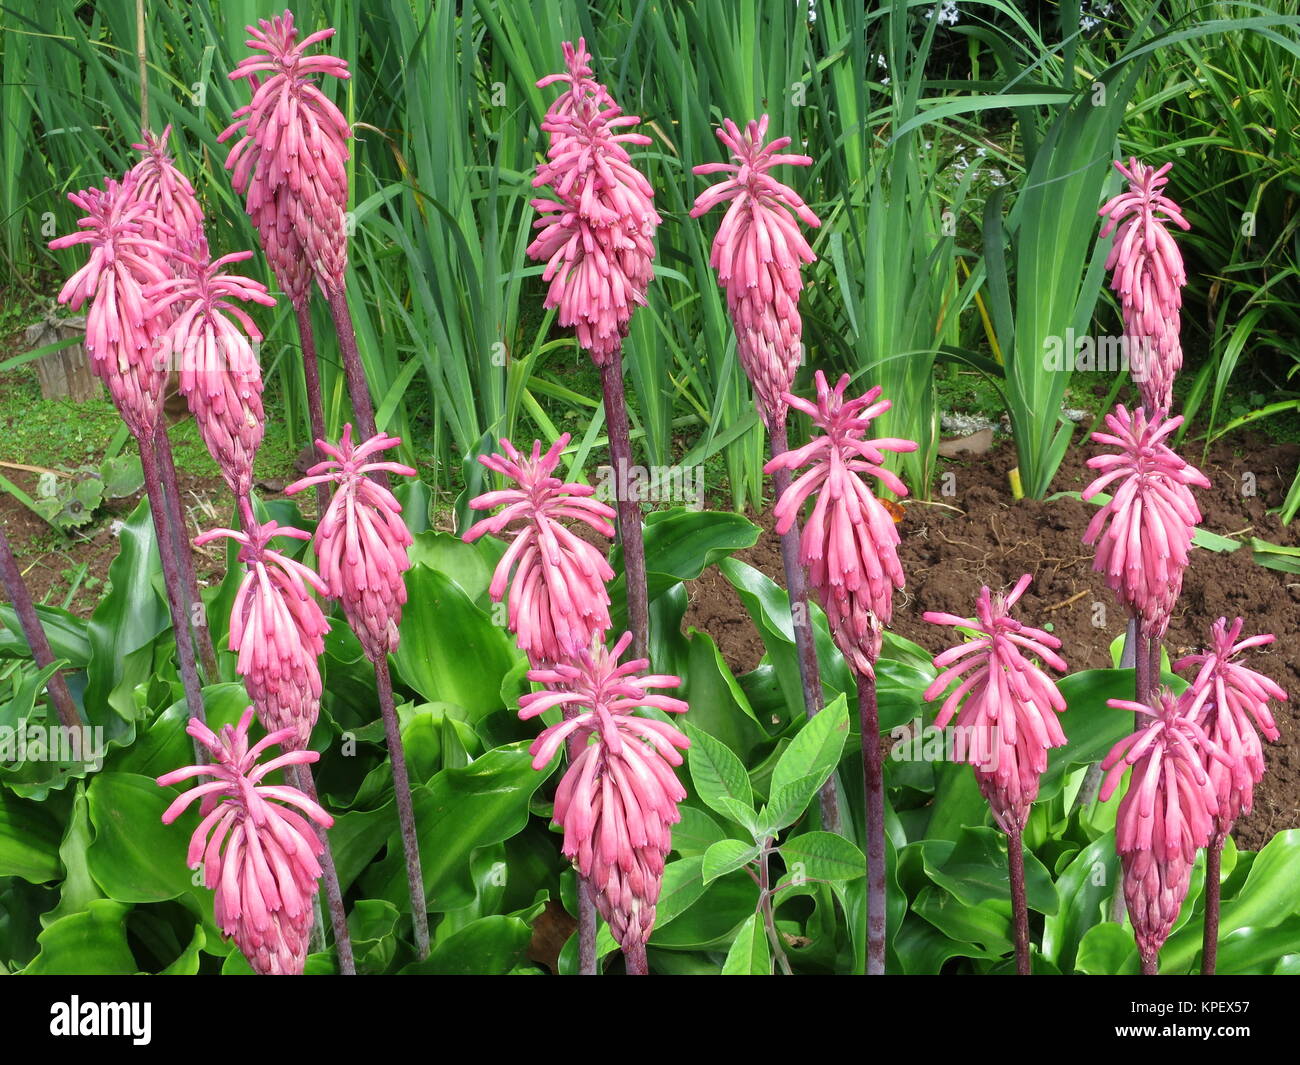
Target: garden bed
[(980, 536)]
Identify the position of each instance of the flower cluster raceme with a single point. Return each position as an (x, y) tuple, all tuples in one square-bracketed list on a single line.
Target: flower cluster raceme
[(1144, 532), (759, 253), (362, 543), (290, 160), (1229, 700), (277, 628), (121, 335), (1008, 703), (208, 340), (1167, 814), (597, 236), (255, 844), (849, 543), (558, 600), (177, 218), (618, 798), (1147, 274)]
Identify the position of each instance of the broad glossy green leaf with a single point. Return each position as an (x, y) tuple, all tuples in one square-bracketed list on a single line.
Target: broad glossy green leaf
[(1107, 950), (490, 946), (695, 833), (134, 856), (923, 949), (682, 544), (987, 925), (372, 925), (125, 623), (718, 704), (806, 763), (467, 565), (188, 962), (1084, 888), (450, 650), (29, 840), (726, 856), (974, 869), (458, 811), (90, 943), (78, 887), (719, 776), (750, 954), (67, 634), (822, 856)]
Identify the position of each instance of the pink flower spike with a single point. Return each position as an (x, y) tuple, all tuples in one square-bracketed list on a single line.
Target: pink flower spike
[(850, 543), (1229, 701), (121, 334), (597, 236), (277, 629), (1008, 703), (361, 542), (558, 600), (1144, 533), (759, 253), (1147, 274), (1167, 814), (177, 217), (255, 844), (291, 156), (619, 797), (208, 340)]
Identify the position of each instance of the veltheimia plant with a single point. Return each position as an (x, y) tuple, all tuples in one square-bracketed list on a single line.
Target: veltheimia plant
[(759, 252), (597, 240), (1006, 706), (849, 546)]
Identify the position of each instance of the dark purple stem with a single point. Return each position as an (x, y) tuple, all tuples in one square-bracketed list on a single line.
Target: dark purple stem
[(405, 809), (586, 900), (173, 582), (1213, 866), (1150, 964), (16, 588), (634, 960), (874, 779), (180, 538), (801, 617), (1019, 907), (358, 386), (629, 509), (315, 405), (333, 892)]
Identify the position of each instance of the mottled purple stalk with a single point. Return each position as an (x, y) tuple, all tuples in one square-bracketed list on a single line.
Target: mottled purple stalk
[(801, 617), (174, 584), (16, 588), (629, 510), (1213, 868), (405, 809), (358, 386), (333, 892), (874, 780), (180, 538), (1019, 906), (315, 405)]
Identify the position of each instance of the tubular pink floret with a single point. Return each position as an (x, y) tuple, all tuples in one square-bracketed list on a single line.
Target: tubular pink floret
[(1006, 704), (255, 844), (597, 236), (1167, 814), (1147, 274), (362, 543), (557, 597), (1229, 701), (619, 797), (1144, 533), (291, 157), (849, 543), (277, 629), (759, 252), (177, 217)]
